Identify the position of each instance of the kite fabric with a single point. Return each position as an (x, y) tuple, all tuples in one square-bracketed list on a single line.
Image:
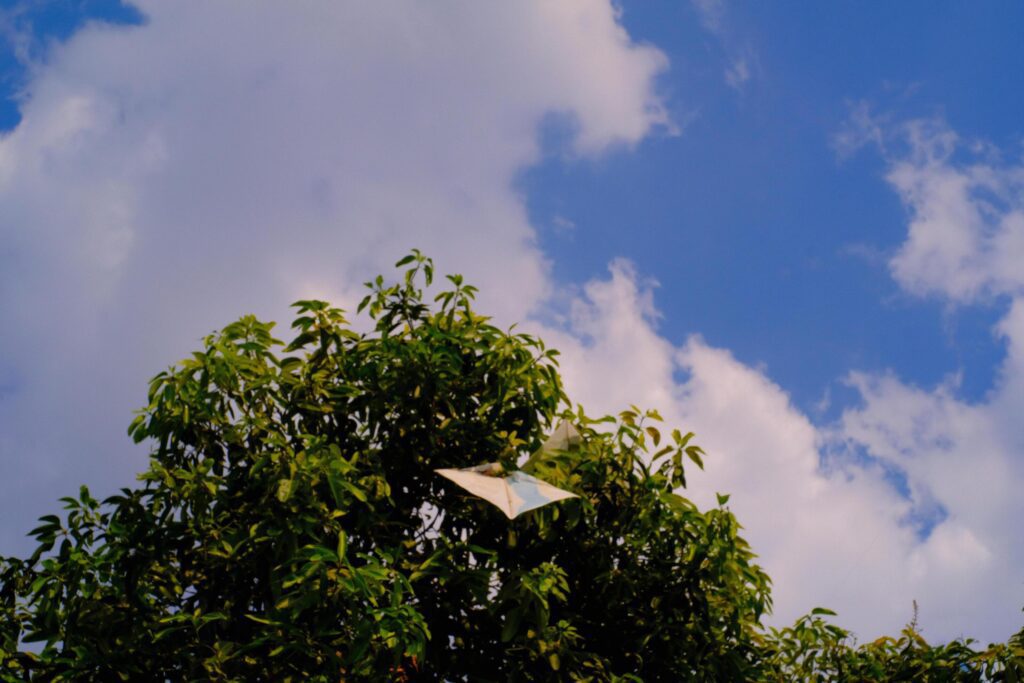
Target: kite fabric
[(563, 438), (513, 494)]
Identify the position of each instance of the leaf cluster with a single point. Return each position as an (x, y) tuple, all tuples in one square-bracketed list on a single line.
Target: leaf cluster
[(815, 650)]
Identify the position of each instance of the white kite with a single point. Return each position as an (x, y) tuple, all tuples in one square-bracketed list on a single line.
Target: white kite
[(516, 492), (563, 438)]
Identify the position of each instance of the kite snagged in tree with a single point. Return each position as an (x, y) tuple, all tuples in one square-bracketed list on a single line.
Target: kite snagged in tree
[(563, 438), (516, 492)]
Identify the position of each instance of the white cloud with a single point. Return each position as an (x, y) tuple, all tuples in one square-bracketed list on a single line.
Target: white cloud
[(966, 207), (964, 244), (711, 14), (962, 462), (563, 226), (742, 61), (738, 73), (965, 458), (232, 157), (967, 225)]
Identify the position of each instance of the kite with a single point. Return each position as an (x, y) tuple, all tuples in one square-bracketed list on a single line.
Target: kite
[(563, 438), (516, 492)]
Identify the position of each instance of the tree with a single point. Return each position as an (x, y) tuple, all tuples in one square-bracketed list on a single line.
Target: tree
[(290, 526)]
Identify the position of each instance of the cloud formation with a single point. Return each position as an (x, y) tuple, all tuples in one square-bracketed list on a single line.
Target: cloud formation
[(965, 203), (966, 232), (964, 244), (742, 61), (913, 493), (818, 502), (168, 177)]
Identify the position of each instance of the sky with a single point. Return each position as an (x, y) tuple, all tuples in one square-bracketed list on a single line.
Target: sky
[(796, 229)]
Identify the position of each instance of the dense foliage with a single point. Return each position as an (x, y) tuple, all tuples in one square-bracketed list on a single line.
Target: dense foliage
[(290, 526)]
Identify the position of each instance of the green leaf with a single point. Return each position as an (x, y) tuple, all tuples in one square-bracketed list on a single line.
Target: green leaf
[(359, 494), (342, 544), (693, 452), (511, 626), (260, 620)]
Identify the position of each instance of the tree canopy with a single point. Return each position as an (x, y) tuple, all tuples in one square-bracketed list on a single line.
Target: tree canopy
[(291, 527)]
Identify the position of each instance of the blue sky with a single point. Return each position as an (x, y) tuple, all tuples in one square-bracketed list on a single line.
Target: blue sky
[(763, 235), (828, 196)]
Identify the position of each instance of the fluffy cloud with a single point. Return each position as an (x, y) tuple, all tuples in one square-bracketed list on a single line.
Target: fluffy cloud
[(168, 177), (965, 203), (966, 233), (964, 244)]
